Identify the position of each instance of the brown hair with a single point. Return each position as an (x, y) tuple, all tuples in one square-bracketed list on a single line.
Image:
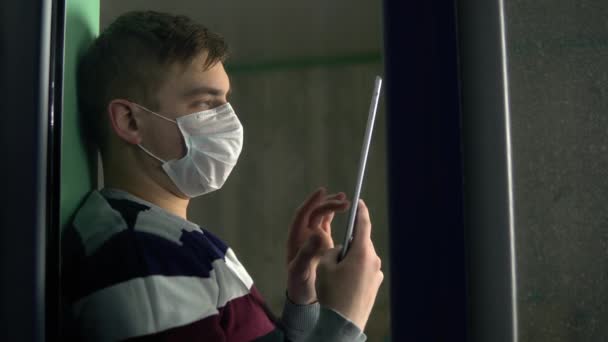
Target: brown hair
[(130, 60)]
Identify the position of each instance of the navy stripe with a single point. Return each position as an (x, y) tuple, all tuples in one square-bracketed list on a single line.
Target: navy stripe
[(131, 254), (72, 252), (216, 242), (128, 209)]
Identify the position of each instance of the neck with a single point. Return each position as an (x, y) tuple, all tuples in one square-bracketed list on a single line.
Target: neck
[(145, 188)]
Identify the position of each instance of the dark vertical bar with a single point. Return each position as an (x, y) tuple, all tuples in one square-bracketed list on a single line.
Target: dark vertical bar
[(487, 171), (428, 270), (24, 80), (53, 295)]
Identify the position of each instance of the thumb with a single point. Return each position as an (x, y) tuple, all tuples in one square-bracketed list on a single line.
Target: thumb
[(331, 256), (301, 263)]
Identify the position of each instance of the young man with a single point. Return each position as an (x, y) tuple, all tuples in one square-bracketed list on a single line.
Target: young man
[(154, 90)]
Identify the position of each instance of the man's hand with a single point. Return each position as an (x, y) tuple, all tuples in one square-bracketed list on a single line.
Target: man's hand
[(351, 285), (309, 237)]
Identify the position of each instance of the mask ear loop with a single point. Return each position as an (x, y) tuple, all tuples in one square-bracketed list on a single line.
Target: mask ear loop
[(151, 154), (149, 111), (160, 116)]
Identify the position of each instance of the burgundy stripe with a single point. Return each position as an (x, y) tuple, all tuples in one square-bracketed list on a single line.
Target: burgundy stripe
[(242, 319), (207, 329)]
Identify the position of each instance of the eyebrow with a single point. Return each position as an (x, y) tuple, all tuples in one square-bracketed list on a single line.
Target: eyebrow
[(206, 90)]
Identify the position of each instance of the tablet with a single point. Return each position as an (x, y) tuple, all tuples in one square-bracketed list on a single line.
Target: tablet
[(362, 162)]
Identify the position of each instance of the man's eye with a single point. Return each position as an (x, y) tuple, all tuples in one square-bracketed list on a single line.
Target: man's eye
[(203, 105)]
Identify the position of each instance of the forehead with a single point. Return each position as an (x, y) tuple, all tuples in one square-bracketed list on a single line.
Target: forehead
[(187, 79)]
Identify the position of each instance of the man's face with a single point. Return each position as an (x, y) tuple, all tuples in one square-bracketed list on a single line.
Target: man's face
[(187, 89)]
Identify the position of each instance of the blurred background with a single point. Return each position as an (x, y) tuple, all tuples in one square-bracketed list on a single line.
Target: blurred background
[(558, 72), (302, 74)]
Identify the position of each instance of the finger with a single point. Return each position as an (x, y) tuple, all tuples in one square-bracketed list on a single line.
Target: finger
[(362, 234), (326, 242), (326, 224), (326, 208), (306, 254), (304, 210), (338, 196)]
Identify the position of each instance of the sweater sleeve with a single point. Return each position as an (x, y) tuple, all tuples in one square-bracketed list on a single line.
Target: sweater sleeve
[(334, 327), (308, 323), (299, 320)]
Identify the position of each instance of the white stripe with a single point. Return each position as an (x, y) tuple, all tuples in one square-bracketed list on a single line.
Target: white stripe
[(96, 222), (235, 265), (513, 259), (144, 306), (233, 279), (152, 221), (152, 304)]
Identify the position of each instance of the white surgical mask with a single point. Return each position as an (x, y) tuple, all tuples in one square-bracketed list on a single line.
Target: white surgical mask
[(214, 139)]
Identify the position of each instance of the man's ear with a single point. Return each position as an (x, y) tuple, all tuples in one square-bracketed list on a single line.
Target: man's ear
[(123, 121)]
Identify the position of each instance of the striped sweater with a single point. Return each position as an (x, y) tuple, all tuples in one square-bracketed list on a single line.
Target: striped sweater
[(133, 271)]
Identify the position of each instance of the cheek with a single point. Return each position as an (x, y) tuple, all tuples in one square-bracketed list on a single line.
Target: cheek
[(175, 143), (167, 142)]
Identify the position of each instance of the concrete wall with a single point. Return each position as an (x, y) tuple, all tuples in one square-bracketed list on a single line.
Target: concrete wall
[(302, 75), (558, 79)]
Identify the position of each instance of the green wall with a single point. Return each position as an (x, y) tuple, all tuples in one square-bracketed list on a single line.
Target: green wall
[(78, 171)]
